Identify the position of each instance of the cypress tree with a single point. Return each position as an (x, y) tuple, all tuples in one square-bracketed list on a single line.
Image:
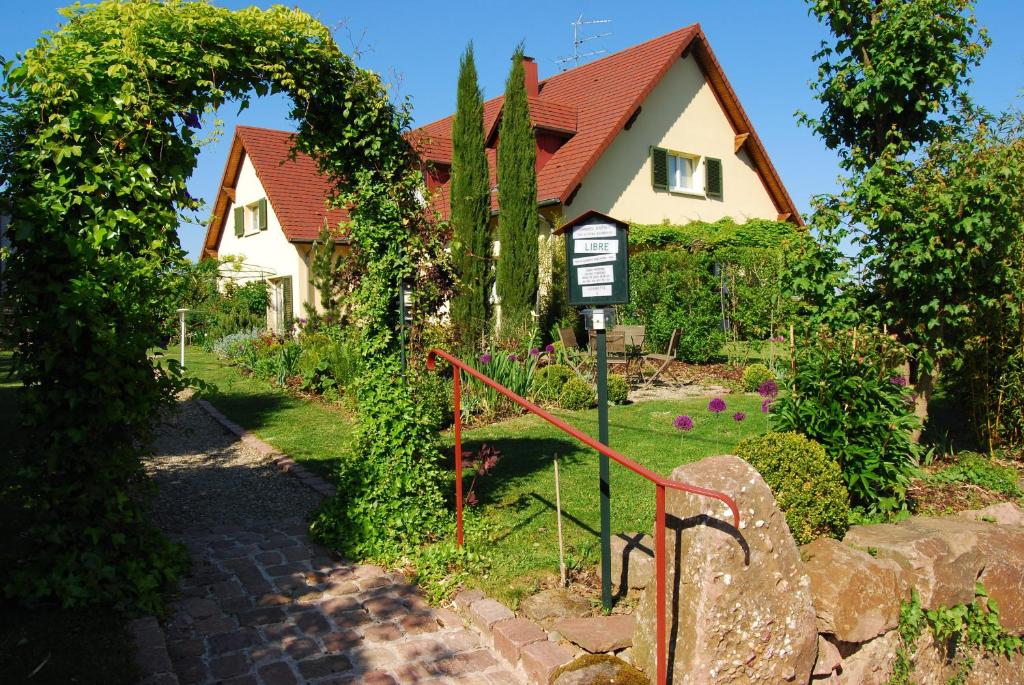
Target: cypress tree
[(517, 197), (470, 209)]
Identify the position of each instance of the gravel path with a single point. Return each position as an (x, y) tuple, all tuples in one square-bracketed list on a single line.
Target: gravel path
[(208, 478)]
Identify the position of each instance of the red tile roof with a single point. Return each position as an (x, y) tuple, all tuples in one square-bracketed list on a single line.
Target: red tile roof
[(603, 95), (295, 188)]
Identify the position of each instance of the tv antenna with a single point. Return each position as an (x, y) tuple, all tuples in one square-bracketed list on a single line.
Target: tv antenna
[(579, 38)]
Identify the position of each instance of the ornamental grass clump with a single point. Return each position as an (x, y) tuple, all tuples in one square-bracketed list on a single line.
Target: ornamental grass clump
[(808, 485)]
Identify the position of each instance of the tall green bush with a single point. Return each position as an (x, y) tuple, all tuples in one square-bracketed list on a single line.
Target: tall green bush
[(517, 212), (847, 395), (98, 127), (470, 197)]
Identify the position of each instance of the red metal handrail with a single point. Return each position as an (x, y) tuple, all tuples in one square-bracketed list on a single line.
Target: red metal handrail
[(660, 482)]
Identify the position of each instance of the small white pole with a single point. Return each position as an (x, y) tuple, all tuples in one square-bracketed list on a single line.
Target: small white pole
[(558, 511), (181, 317)]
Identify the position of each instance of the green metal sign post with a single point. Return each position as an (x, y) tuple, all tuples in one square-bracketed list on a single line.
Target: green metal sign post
[(597, 255)]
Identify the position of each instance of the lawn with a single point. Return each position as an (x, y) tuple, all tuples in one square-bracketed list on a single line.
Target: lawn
[(311, 432), (47, 644), (517, 500)]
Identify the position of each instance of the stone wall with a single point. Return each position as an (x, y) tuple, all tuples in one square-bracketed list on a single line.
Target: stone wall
[(747, 606)]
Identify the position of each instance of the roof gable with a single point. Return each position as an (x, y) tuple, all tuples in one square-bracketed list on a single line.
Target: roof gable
[(295, 188), (604, 95)]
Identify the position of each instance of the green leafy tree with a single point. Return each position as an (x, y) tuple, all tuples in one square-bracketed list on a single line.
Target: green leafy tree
[(517, 199), (890, 70), (470, 209), (98, 127)]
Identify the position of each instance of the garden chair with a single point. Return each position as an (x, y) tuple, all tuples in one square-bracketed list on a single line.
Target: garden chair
[(665, 360), (615, 346), (573, 355)]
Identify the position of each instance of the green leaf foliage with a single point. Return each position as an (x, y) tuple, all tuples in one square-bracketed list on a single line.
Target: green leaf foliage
[(517, 199), (806, 482), (470, 199), (98, 126), (846, 396), (888, 69)]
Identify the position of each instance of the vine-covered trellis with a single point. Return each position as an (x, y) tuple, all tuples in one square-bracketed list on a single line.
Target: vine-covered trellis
[(99, 132)]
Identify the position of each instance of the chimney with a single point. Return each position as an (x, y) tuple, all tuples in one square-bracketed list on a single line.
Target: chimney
[(530, 76)]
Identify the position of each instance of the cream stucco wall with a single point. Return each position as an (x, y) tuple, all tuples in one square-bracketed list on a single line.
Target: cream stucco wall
[(680, 114), (266, 254)]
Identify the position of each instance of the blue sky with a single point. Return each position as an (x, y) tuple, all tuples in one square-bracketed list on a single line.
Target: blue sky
[(765, 47)]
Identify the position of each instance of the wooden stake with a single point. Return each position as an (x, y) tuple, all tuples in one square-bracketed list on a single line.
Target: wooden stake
[(558, 512)]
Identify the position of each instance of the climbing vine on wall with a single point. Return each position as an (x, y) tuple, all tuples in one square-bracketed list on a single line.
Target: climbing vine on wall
[(98, 125)]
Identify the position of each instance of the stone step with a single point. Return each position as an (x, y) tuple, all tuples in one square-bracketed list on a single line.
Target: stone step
[(599, 634)]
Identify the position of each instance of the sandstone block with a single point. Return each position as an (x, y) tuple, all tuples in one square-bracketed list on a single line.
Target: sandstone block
[(465, 598), (739, 607), (829, 659), (599, 634), (1004, 513), (511, 635), (943, 557), (869, 663), (548, 606), (540, 659), (592, 669), (484, 613), (856, 597), (632, 561)]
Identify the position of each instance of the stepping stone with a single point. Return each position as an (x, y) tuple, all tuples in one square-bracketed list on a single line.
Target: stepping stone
[(598, 669), (549, 606), (598, 634)]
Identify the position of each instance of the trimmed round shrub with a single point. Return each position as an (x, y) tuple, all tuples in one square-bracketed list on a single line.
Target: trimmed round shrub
[(807, 484), (618, 390), (577, 394), (754, 375), (549, 380)]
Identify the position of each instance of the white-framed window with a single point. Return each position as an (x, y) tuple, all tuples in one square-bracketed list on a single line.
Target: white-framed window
[(687, 174), (250, 219), (684, 174)]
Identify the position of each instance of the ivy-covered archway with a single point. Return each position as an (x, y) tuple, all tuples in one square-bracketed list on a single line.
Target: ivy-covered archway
[(99, 136)]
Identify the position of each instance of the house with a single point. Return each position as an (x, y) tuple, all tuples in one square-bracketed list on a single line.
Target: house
[(650, 134), (268, 212)]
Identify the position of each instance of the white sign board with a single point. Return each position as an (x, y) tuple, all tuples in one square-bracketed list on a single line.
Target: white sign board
[(595, 246), (596, 290), (592, 275)]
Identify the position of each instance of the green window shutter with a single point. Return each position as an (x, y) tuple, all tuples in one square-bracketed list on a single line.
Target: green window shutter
[(659, 168), (262, 210), (713, 174), (286, 298), (239, 221)]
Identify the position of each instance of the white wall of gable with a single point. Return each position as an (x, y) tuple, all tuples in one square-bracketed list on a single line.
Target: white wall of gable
[(681, 114), (268, 250)]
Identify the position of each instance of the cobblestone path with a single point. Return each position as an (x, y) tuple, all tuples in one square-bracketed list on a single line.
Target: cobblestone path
[(263, 604)]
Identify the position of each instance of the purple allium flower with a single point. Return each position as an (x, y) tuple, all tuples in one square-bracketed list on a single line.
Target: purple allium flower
[(549, 348), (765, 404), (768, 389), (512, 357), (534, 352), (683, 423), (716, 405), (898, 380), (738, 416), (485, 358)]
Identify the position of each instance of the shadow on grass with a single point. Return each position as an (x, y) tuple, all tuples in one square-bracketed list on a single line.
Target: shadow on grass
[(520, 459)]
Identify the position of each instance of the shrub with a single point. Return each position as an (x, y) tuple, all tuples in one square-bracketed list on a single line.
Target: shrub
[(845, 395), (549, 380), (754, 375), (806, 482), (576, 394), (618, 390), (229, 345), (389, 488)]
